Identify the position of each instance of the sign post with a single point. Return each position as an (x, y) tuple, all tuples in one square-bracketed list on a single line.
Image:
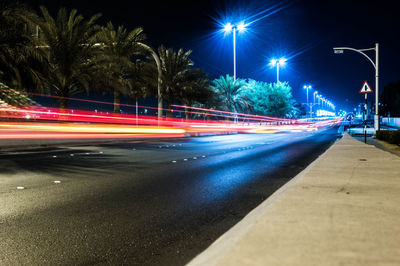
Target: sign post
[(365, 89)]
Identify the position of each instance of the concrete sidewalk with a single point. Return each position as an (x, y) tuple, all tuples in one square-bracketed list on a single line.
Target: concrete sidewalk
[(344, 209)]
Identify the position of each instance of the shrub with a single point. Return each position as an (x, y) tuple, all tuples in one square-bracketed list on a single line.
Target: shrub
[(391, 136)]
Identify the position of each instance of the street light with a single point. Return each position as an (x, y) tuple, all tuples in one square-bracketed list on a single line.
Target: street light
[(308, 87), (315, 94), (277, 63), (339, 50), (228, 28)]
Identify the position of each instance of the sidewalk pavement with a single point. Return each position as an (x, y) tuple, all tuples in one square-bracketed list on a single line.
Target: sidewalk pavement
[(343, 209)]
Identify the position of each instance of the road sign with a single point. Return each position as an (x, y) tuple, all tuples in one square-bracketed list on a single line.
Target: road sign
[(350, 117), (366, 88)]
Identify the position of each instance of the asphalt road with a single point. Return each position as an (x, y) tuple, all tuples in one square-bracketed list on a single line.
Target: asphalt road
[(140, 203)]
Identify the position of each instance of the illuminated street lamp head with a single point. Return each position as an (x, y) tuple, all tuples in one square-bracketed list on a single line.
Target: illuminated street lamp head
[(241, 26), (273, 62), (228, 27), (307, 87), (282, 61)]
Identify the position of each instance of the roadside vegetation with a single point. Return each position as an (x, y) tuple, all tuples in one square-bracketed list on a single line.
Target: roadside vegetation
[(64, 54), (391, 136)]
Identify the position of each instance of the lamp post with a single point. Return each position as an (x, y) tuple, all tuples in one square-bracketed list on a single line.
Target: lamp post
[(234, 28), (277, 63), (315, 94), (339, 50), (307, 87)]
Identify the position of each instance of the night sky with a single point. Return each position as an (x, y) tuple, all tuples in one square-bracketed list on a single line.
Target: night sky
[(303, 31)]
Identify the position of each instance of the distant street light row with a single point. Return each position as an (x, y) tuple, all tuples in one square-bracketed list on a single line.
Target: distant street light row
[(322, 102)]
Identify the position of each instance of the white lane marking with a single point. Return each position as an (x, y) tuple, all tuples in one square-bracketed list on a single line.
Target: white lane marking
[(101, 152), (20, 188), (71, 154), (57, 182), (195, 158), (203, 156), (173, 161), (185, 160)]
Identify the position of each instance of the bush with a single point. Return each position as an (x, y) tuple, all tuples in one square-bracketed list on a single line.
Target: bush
[(391, 136)]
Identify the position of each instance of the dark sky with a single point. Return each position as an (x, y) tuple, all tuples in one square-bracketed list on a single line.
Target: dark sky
[(303, 31)]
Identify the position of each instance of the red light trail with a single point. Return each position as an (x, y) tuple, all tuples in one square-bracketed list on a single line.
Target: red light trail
[(32, 122)]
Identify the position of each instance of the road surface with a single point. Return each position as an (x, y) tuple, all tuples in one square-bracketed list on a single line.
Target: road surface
[(158, 202)]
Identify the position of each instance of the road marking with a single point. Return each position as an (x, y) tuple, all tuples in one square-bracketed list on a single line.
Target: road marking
[(173, 161), (195, 158), (20, 188), (57, 182), (203, 156), (54, 156), (185, 160), (71, 154)]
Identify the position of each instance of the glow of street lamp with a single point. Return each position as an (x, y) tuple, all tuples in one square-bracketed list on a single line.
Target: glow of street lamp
[(273, 62), (228, 27), (241, 27)]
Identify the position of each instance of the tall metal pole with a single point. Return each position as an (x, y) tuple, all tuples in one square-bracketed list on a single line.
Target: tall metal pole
[(376, 66), (376, 120), (365, 119), (307, 100), (277, 72), (234, 53)]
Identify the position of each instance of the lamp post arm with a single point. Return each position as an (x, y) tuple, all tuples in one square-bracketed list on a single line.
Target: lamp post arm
[(358, 51), (158, 63)]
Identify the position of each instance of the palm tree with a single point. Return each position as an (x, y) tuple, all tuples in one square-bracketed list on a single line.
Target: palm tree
[(119, 47), (174, 66), (71, 42), (195, 88), (22, 65), (231, 94)]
